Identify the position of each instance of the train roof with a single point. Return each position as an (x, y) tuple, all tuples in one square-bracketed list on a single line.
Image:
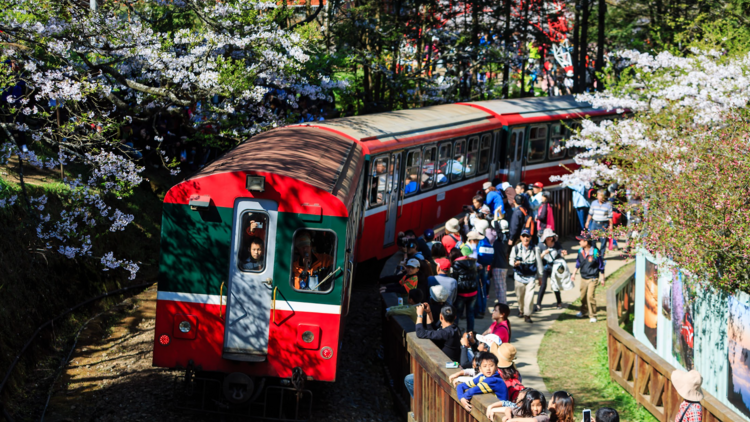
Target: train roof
[(533, 107), (394, 124), (318, 157)]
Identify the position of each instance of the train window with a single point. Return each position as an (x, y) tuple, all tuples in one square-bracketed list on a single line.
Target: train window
[(428, 167), (458, 162), (556, 140), (313, 258), (413, 173), (471, 157), (378, 182), (252, 254), (537, 144), (485, 147), (444, 159)]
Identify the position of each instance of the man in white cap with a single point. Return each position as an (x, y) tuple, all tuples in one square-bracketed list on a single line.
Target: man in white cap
[(688, 386), (451, 239)]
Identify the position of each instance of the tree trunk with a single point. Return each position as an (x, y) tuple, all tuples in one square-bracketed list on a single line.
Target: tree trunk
[(576, 46), (583, 50), (506, 37), (600, 43)]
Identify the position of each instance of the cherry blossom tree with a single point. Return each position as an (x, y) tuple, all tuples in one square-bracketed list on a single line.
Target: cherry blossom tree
[(73, 77), (684, 149)]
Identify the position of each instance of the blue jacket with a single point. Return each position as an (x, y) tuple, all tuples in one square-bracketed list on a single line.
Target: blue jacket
[(579, 196), (495, 201), (483, 385)]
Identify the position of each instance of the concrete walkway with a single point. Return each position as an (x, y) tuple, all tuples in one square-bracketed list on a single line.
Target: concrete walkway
[(528, 337)]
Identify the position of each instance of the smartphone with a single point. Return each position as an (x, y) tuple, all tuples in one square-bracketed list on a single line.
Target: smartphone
[(586, 415), (451, 365), (259, 225)]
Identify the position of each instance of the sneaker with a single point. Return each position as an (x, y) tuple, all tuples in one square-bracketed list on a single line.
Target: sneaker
[(560, 306), (579, 315), (592, 320), (527, 319), (537, 308)]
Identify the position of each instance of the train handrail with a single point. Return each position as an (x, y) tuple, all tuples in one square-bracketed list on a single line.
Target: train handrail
[(221, 297)]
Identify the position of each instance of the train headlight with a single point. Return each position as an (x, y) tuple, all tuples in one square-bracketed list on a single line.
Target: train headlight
[(255, 183), (185, 327)]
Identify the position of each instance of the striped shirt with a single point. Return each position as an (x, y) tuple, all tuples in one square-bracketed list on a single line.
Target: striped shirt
[(601, 212)]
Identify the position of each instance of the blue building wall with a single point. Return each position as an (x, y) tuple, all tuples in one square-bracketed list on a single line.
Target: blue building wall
[(710, 319)]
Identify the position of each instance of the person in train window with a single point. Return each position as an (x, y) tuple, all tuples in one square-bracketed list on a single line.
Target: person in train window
[(412, 185), (254, 261), (309, 267)]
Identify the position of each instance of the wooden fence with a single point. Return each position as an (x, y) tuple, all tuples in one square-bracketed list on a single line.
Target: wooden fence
[(644, 374), (566, 220)]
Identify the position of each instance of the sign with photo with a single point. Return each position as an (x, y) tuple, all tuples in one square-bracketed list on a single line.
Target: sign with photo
[(738, 354), (682, 323), (651, 308)]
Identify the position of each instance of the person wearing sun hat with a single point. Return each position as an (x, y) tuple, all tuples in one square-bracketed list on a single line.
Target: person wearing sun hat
[(688, 386), (452, 238)]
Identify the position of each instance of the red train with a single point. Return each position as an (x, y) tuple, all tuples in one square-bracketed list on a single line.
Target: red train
[(259, 249)]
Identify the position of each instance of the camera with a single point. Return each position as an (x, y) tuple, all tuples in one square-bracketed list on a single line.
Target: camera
[(469, 209), (259, 225)]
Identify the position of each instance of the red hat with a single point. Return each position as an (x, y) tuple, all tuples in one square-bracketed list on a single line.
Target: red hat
[(443, 263), (538, 185)]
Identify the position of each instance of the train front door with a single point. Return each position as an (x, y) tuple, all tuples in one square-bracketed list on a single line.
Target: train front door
[(249, 288), (515, 155), (393, 191)]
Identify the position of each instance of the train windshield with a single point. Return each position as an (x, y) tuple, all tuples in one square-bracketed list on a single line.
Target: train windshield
[(252, 255), (313, 257)]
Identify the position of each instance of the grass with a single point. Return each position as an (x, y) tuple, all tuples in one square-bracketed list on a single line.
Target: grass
[(573, 357)]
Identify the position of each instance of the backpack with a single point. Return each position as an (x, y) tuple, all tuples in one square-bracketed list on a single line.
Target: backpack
[(514, 387), (465, 273), (485, 252), (526, 270)]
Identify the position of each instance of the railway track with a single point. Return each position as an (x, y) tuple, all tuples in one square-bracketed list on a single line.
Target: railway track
[(110, 376)]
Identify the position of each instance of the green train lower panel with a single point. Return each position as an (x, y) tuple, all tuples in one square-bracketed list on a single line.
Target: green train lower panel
[(195, 249)]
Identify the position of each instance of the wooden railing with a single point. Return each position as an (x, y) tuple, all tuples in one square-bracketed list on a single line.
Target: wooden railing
[(643, 373), (395, 355)]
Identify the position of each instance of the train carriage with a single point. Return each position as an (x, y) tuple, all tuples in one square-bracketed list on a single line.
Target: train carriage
[(258, 249)]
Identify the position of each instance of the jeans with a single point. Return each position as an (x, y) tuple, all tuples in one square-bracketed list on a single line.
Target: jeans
[(583, 214), (409, 383), (484, 288), (603, 241), (468, 304)]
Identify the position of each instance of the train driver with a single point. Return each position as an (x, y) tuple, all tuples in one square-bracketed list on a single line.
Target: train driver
[(254, 261), (309, 268)]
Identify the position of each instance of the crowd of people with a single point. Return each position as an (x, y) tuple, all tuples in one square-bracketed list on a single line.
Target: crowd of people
[(508, 230)]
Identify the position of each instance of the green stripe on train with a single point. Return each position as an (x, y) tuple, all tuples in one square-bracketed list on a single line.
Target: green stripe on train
[(195, 251)]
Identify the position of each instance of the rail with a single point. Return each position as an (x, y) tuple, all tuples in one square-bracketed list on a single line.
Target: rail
[(640, 371), (435, 399)]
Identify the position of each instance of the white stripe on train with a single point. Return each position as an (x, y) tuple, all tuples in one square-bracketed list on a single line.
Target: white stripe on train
[(281, 305)]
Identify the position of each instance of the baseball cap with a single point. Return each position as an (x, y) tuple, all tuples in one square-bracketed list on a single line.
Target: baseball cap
[(525, 232), (486, 185), (413, 263), (443, 263), (538, 185), (439, 293), (489, 339), (303, 240)]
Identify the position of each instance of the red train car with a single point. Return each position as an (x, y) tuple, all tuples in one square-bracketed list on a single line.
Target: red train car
[(259, 249)]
